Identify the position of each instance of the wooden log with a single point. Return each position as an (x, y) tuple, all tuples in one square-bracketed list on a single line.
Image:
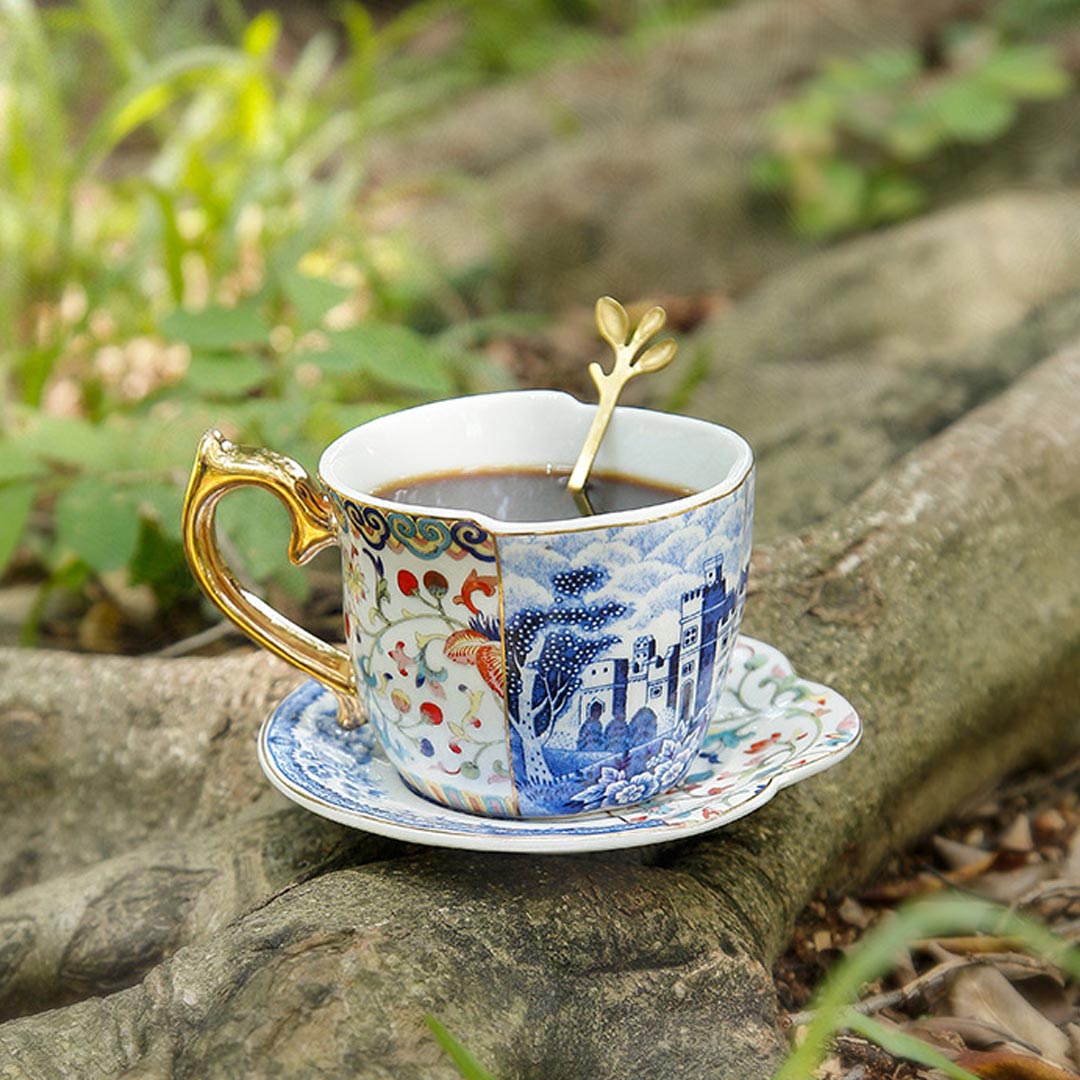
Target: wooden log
[(101, 929), (945, 602), (841, 364)]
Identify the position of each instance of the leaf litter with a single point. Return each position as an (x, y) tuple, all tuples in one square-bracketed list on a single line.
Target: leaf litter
[(989, 1007)]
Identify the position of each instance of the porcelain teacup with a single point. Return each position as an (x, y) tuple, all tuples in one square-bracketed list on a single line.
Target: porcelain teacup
[(510, 668)]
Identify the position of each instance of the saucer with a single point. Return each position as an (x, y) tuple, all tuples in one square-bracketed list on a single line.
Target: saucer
[(773, 729)]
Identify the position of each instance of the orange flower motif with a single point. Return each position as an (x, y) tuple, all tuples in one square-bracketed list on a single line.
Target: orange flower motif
[(473, 648), (484, 583)]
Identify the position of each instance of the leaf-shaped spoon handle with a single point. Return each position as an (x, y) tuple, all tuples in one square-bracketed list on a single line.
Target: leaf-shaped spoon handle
[(633, 356)]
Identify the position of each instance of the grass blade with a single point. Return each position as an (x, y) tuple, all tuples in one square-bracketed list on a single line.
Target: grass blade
[(875, 955), (467, 1065), (902, 1045)]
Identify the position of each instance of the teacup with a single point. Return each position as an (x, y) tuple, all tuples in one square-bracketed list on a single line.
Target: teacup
[(510, 668)]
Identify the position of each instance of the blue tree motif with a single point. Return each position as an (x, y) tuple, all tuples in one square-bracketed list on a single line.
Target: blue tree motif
[(563, 657), (550, 648)]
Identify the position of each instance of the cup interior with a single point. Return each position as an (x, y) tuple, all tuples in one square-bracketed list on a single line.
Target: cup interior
[(533, 429)]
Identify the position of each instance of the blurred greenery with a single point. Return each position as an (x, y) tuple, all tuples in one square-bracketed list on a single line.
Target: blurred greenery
[(844, 149), (186, 237), (184, 244)]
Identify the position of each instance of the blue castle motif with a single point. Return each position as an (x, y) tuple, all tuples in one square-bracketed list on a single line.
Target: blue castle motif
[(625, 702), (625, 709)]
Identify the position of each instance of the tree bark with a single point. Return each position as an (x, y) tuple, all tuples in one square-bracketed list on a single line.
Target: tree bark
[(944, 602)]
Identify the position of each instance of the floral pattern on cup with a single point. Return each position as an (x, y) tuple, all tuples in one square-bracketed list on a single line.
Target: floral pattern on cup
[(577, 672), (425, 643)]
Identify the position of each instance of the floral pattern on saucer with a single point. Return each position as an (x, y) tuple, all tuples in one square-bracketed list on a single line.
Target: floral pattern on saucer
[(774, 728)]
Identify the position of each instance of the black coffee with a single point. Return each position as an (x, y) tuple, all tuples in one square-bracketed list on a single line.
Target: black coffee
[(528, 494)]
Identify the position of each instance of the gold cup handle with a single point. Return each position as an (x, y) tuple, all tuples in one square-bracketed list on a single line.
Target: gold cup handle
[(220, 467)]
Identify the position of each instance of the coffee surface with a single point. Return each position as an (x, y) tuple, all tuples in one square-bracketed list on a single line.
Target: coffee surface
[(527, 494)]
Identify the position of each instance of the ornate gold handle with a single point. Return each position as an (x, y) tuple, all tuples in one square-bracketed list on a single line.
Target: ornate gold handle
[(220, 467)]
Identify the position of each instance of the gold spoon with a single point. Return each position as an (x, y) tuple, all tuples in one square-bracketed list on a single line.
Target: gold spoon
[(633, 356)]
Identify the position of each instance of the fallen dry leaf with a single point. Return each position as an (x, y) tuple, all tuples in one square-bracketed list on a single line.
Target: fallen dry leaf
[(983, 993), (959, 1033), (1004, 1065), (1005, 886), (1049, 825), (971, 943), (956, 855)]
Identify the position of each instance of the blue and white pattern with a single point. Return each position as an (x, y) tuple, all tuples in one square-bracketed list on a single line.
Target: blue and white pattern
[(773, 729), (617, 641)]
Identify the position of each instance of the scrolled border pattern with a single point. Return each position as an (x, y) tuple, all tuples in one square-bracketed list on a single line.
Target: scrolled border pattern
[(425, 537)]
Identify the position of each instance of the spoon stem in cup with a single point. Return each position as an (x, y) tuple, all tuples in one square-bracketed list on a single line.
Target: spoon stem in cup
[(633, 356)]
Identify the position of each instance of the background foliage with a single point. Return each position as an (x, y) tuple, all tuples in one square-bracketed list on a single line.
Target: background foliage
[(187, 240), (183, 243), (846, 148)]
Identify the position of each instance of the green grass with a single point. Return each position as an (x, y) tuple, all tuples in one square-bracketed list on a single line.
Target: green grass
[(875, 956)]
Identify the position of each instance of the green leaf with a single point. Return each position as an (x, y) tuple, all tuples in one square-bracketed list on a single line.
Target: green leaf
[(881, 70), (770, 173), (16, 463), (394, 355), (216, 329), (892, 66), (892, 196), (334, 362), (973, 113), (77, 442), (261, 35), (16, 502), (161, 503), (467, 1065), (1026, 72), (98, 522), (327, 419), (166, 438), (226, 376), (830, 200), (312, 297), (1030, 18), (273, 422), (159, 562), (258, 528), (915, 130), (811, 117)]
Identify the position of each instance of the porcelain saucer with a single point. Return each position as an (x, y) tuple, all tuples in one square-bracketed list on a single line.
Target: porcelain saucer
[(774, 728)]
